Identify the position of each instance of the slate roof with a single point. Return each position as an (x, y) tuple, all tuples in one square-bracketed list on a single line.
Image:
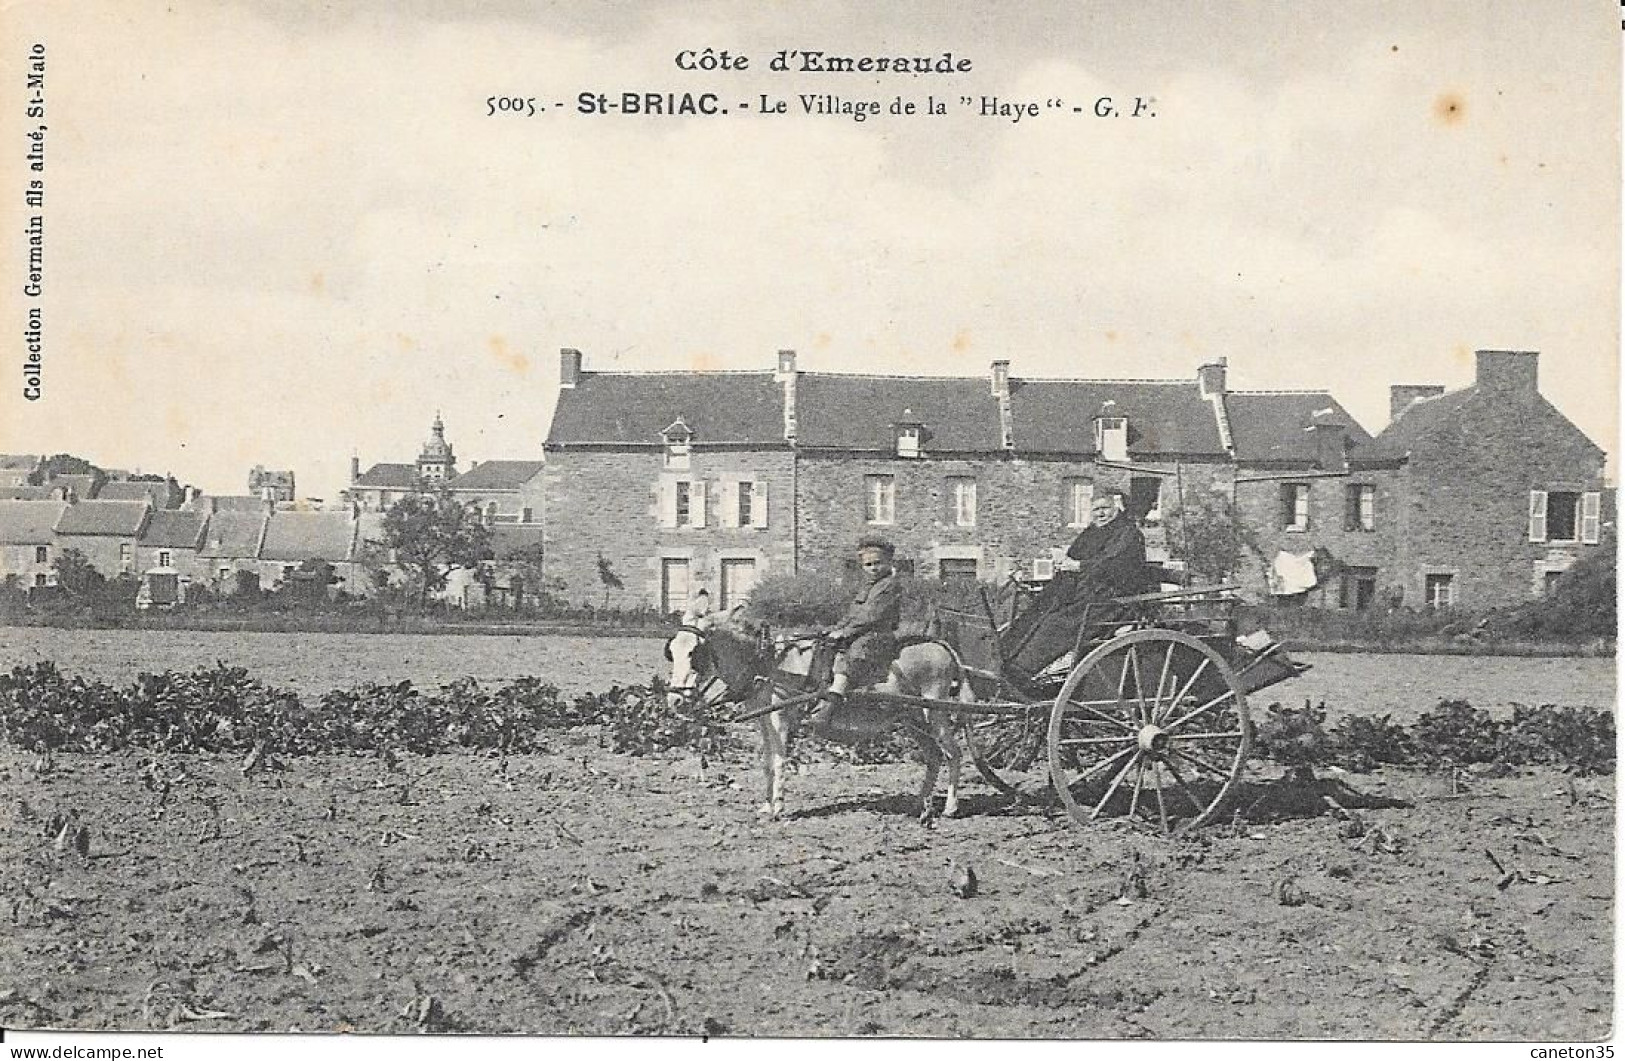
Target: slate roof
[(296, 536), (1396, 440), (959, 414), (1275, 426), (390, 477), (234, 535), (174, 529), (498, 475), (29, 522), (1057, 416), (135, 491), (227, 503), (118, 518), (611, 408), (27, 493)]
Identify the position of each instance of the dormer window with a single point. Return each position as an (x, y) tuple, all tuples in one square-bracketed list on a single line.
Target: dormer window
[(679, 438), (908, 439), (1111, 437)]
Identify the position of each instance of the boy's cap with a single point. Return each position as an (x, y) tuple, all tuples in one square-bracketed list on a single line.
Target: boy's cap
[(878, 545)]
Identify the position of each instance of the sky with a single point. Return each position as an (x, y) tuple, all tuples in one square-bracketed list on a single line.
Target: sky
[(286, 234)]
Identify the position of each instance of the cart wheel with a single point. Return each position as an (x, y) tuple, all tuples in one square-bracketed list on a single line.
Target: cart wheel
[(1007, 748), (1152, 724)]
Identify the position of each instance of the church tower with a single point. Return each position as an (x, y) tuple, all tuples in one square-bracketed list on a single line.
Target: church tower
[(437, 463)]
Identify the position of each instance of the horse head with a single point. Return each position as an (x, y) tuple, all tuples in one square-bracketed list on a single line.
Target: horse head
[(710, 650)]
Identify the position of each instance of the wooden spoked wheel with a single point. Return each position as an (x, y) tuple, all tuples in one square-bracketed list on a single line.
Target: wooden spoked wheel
[(1008, 748), (1153, 725)]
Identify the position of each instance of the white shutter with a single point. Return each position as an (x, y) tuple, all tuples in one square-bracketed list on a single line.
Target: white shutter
[(1537, 515), (729, 516), (1590, 517), (758, 504), (668, 502), (696, 503)]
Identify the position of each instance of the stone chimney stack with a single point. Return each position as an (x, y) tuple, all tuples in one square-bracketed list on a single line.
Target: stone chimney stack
[(999, 376), (1401, 395), (785, 376), (569, 368), (355, 468), (1210, 378), (1509, 374)]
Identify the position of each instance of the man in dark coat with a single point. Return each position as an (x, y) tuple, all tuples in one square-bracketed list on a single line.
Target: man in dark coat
[(868, 633), (1110, 554)]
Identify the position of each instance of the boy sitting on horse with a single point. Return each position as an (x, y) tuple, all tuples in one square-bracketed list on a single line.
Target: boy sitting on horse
[(866, 638)]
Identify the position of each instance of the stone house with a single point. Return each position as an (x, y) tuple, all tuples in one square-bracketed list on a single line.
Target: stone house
[(28, 547), (1494, 492), (172, 542), (501, 491), (271, 484), (107, 532), (162, 494), (384, 484), (231, 544), (291, 538)]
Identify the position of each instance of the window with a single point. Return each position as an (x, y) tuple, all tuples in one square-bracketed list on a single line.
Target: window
[(908, 440), (42, 554), (1566, 517), (1359, 588), (1360, 507), (288, 570), (743, 509), (682, 503), (1441, 591), (951, 570), (126, 555), (673, 586), (1295, 506), (527, 515), (964, 502), (225, 572), (744, 503), (738, 579), (1549, 582), (1145, 498), (1076, 497), (1111, 437), (490, 512), (164, 558), (40, 581), (880, 496), (1043, 569)]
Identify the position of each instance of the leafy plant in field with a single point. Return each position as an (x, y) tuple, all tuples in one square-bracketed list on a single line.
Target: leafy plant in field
[(1582, 739), (1362, 742), (1456, 733)]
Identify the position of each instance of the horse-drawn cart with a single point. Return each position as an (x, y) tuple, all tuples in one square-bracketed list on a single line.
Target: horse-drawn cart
[(1147, 716)]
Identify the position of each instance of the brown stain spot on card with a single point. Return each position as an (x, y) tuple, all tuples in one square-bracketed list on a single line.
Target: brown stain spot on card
[(1450, 108), (1111, 336), (318, 284), (961, 342), (405, 342), (703, 362), (822, 341), (1462, 353), (511, 360)]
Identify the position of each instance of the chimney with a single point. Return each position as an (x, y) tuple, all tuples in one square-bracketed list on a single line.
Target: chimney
[(1401, 395), (1331, 453), (1210, 379), (355, 468), (569, 368), (999, 375), (785, 375), (1508, 374)]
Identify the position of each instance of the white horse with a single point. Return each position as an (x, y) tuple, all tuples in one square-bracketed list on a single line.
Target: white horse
[(714, 660)]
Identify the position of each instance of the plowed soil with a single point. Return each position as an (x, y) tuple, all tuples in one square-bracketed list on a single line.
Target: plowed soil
[(582, 892)]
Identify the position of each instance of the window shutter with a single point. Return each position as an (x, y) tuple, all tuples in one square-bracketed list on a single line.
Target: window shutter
[(729, 516), (668, 502), (696, 502), (758, 504), (1537, 515), (1590, 517)]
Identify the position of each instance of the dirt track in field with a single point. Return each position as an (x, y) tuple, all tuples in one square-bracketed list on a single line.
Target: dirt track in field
[(589, 893)]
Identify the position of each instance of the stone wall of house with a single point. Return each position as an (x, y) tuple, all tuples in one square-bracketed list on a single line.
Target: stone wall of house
[(608, 503), (20, 561), (1023, 508), (1261, 508), (103, 551), (1465, 498)]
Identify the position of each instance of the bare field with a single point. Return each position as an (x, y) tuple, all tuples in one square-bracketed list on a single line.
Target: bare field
[(582, 892), (312, 664)]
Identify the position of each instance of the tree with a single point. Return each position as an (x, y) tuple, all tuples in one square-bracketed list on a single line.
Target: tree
[(66, 464), (76, 576), (607, 576), (1210, 537), (432, 535)]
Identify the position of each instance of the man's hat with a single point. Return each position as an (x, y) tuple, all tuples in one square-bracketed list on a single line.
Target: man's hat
[(879, 545)]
